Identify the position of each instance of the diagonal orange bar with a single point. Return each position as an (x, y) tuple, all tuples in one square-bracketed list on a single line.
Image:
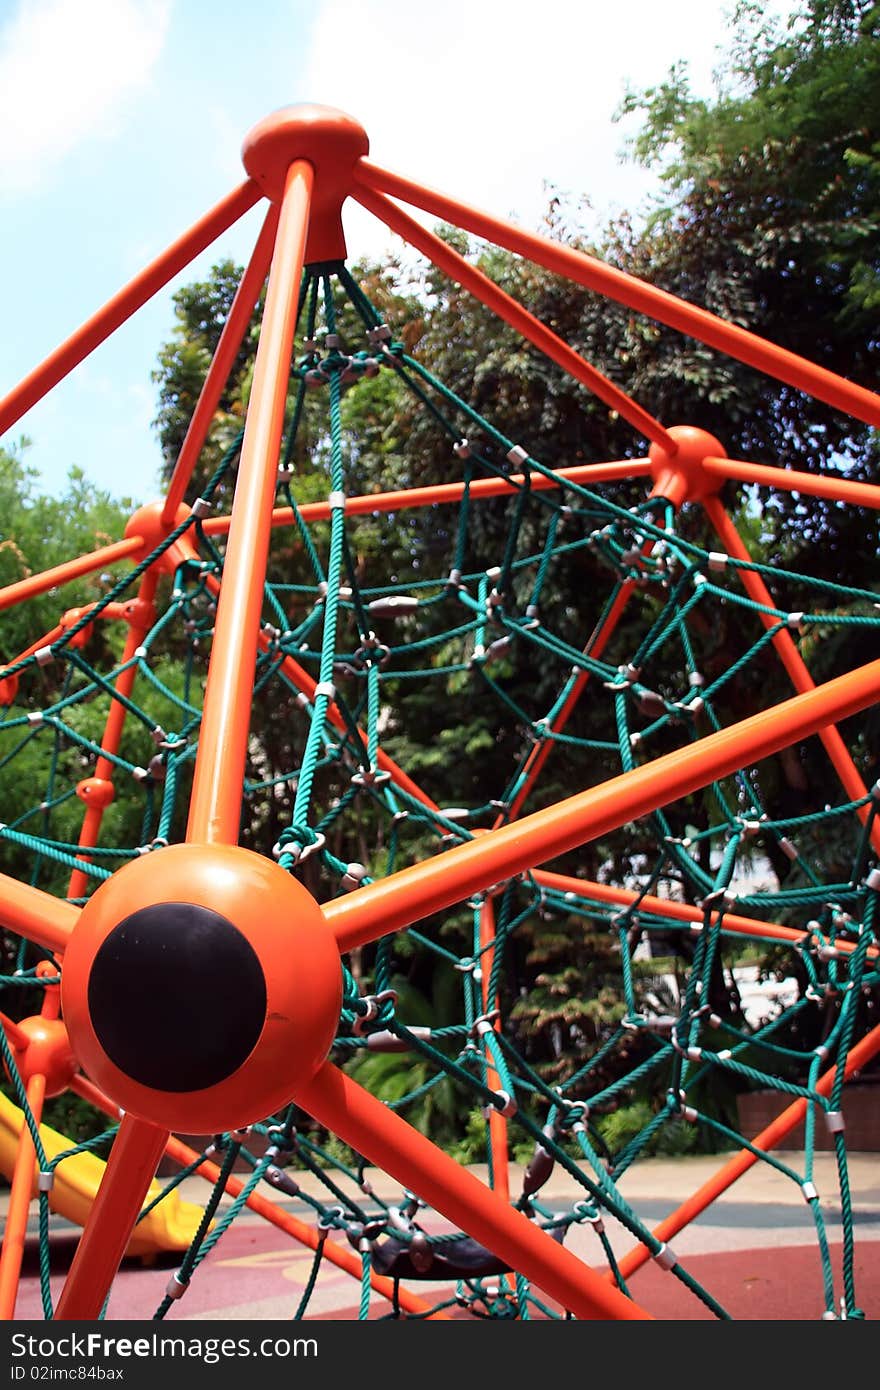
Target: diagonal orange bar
[(598, 641), (132, 1164), (215, 808), (837, 489), (333, 1252), (234, 329), (498, 1143), (72, 569), (541, 751), (681, 912), (338, 1102), (405, 897), (16, 1035), (36, 915), (768, 1138), (507, 308), (636, 294), (790, 657), (93, 332), (583, 474), (340, 1255)]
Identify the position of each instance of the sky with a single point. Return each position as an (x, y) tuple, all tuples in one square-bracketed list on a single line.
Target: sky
[(121, 123)]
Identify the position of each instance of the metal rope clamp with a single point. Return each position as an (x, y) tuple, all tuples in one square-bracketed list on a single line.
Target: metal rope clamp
[(374, 1003), (372, 777), (300, 853)]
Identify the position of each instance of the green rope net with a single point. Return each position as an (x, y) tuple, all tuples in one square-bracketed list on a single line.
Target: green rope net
[(359, 624)]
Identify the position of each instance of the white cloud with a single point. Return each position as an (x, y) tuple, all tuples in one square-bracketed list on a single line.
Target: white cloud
[(488, 100), (66, 67)]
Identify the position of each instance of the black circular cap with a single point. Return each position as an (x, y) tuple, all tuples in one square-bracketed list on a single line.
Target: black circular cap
[(177, 997)]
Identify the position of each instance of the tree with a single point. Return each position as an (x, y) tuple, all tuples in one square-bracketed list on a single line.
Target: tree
[(40, 531), (772, 219)]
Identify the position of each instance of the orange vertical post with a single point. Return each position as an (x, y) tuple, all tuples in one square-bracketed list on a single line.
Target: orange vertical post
[(215, 807), (20, 1191), (21, 1187), (97, 791)]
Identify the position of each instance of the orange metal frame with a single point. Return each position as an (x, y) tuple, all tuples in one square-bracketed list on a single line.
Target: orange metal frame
[(306, 161)]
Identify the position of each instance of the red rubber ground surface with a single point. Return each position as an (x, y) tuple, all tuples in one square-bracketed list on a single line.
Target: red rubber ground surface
[(256, 1272)]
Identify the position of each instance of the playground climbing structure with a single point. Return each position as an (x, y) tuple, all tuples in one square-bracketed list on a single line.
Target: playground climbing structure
[(205, 979)]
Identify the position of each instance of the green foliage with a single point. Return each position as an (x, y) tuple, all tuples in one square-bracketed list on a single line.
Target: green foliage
[(201, 310), (772, 220)]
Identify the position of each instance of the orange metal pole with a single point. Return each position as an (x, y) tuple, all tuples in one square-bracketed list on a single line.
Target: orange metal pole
[(215, 808), (789, 656), (335, 1253), (405, 897), (20, 1192), (595, 647), (792, 480), (234, 329), (36, 915), (385, 1139), (768, 1138), (45, 640), (136, 1151), (599, 640), (71, 569), (16, 1035), (139, 626), (339, 1255), (584, 474), (22, 1185), (507, 308), (93, 332), (636, 294), (497, 1122), (680, 912)]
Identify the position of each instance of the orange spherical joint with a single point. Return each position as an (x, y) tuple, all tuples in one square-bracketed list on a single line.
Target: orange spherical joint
[(96, 791), (69, 620), (328, 139), (47, 1052), (147, 524), (200, 986), (681, 477)]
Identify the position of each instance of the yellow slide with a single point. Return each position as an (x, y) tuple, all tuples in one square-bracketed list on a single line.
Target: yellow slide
[(170, 1226)]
